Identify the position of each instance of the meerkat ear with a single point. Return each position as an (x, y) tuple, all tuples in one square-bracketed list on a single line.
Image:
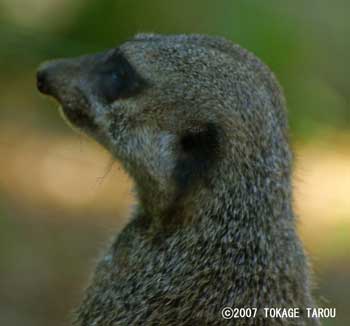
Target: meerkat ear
[(199, 148)]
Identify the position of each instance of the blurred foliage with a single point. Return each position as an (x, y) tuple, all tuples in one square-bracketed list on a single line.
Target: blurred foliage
[(304, 42)]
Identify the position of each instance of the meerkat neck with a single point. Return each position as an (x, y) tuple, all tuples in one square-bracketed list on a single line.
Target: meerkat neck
[(249, 203), (254, 202)]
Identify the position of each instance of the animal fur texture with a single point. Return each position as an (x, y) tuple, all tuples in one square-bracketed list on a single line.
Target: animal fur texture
[(200, 125)]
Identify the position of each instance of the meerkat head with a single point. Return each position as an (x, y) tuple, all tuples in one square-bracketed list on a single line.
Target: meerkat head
[(177, 111)]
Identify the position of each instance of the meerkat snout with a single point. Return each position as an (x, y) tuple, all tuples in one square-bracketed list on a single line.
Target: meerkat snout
[(50, 76), (42, 81), (86, 86)]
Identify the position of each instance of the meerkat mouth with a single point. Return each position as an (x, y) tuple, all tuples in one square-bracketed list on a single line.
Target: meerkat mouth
[(55, 79), (76, 109), (78, 118)]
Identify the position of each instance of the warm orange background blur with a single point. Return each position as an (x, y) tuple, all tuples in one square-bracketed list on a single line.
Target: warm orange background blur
[(62, 197)]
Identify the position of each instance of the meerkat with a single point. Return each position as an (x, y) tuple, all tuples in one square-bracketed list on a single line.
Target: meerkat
[(200, 125)]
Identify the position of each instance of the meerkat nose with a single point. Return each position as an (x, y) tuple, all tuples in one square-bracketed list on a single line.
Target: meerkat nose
[(42, 81), (47, 76)]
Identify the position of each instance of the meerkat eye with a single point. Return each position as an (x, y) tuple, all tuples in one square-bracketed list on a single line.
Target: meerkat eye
[(112, 85), (117, 79), (114, 76)]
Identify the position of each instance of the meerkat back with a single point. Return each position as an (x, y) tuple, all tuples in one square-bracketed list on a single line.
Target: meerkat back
[(200, 126)]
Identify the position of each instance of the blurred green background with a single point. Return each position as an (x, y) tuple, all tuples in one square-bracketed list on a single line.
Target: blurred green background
[(61, 196)]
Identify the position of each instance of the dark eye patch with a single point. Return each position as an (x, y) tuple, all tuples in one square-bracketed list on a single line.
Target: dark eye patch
[(116, 78)]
